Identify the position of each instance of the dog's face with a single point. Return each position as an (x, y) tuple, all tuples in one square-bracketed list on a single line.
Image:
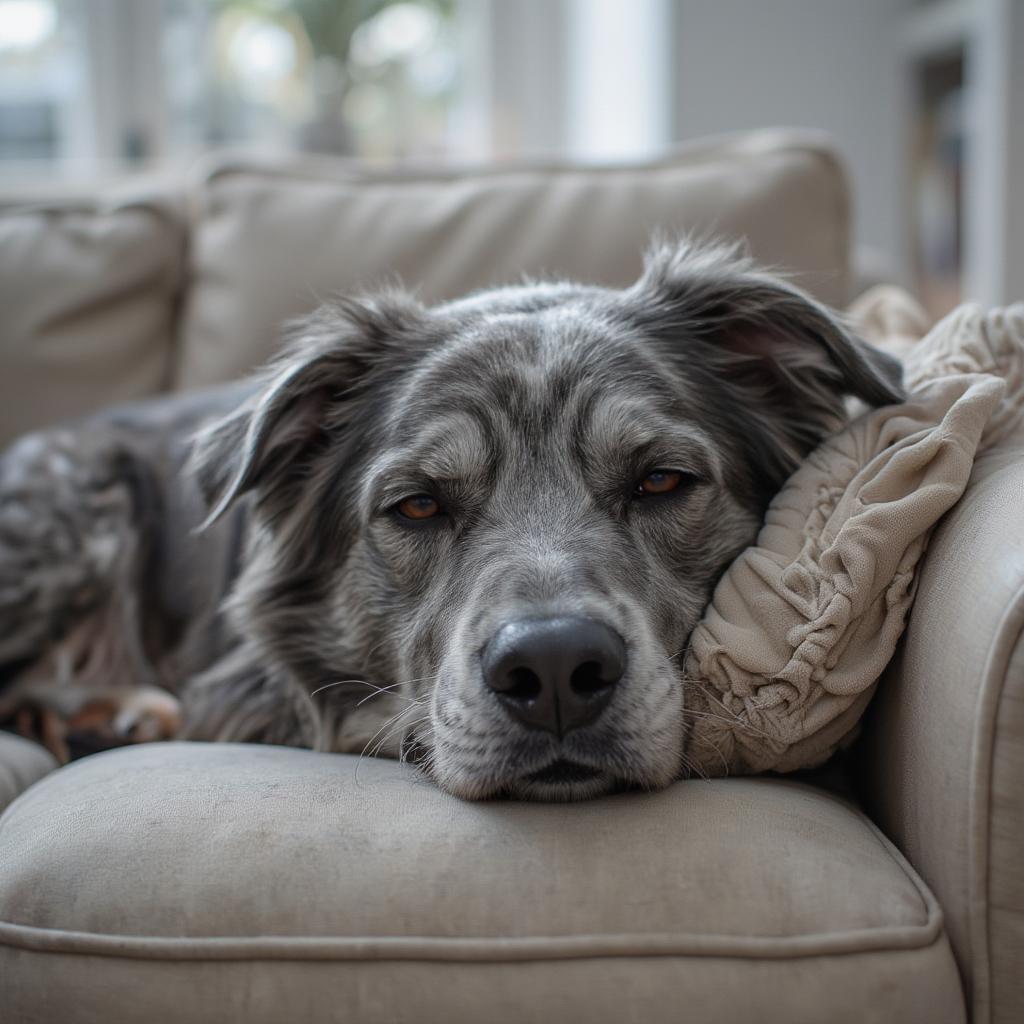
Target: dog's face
[(512, 510)]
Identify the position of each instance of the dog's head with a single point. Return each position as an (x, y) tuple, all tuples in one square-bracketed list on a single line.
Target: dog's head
[(512, 509)]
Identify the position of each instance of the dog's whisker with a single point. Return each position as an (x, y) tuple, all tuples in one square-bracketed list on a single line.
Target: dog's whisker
[(694, 767), (388, 724), (388, 735), (714, 746), (338, 682), (730, 716), (363, 682), (387, 689), (736, 722), (387, 728)]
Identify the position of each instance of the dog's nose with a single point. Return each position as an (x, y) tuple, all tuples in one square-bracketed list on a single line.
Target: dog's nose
[(554, 674)]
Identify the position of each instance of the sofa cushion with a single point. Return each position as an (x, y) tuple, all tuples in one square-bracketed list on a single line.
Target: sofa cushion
[(272, 239), (21, 764), (88, 292), (235, 883)]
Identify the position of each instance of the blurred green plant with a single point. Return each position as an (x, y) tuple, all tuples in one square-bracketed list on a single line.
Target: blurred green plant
[(330, 25), (368, 76)]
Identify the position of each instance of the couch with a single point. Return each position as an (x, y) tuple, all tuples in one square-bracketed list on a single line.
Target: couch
[(192, 882)]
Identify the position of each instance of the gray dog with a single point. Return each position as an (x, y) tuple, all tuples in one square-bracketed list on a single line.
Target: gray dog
[(477, 536)]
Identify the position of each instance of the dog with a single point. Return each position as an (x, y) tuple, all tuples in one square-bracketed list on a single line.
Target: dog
[(475, 536)]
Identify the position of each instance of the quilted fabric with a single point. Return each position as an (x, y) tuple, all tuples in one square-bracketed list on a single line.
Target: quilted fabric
[(803, 623)]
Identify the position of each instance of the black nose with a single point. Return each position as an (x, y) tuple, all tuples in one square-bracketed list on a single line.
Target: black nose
[(554, 674)]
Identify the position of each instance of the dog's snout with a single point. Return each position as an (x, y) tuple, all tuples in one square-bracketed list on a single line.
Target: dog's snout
[(554, 674)]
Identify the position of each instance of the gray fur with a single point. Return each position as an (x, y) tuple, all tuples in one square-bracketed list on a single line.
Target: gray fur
[(530, 413)]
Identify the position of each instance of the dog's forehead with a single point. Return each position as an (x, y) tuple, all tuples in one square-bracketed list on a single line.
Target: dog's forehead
[(526, 364), (564, 382)]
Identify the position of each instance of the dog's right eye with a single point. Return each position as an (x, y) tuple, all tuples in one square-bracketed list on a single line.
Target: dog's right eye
[(418, 507), (659, 481)]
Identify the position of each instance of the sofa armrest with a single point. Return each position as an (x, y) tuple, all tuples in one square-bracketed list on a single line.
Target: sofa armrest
[(943, 748)]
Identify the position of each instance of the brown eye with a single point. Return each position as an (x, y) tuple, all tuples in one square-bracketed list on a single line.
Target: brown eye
[(419, 506), (660, 481)]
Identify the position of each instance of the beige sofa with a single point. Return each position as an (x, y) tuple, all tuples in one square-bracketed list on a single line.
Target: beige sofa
[(178, 882)]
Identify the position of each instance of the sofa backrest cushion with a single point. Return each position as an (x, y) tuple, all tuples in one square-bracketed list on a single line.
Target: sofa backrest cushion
[(89, 292), (270, 240)]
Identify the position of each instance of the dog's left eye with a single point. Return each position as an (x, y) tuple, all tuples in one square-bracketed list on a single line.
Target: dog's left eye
[(659, 481), (418, 506)]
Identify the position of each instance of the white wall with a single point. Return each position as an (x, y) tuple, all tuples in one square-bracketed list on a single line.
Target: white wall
[(827, 64)]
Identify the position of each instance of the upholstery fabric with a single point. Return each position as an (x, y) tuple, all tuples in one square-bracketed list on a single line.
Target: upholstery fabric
[(942, 761), (270, 241), (321, 885), (803, 623), (21, 764), (88, 293)]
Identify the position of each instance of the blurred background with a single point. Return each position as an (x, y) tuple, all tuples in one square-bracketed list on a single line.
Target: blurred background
[(923, 99)]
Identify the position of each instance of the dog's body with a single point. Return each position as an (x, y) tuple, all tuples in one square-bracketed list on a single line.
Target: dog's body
[(480, 533), (106, 585)]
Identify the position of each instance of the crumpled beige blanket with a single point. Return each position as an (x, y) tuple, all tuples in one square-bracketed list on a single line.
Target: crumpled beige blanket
[(804, 622)]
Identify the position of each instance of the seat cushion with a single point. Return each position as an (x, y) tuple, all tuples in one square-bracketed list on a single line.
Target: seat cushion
[(273, 239), (21, 764), (89, 293), (234, 883)]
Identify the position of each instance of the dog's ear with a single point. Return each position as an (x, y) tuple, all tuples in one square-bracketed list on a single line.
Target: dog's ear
[(784, 359), (304, 398)]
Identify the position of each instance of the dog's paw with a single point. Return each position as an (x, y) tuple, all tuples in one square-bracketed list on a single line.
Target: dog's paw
[(146, 714), (69, 721)]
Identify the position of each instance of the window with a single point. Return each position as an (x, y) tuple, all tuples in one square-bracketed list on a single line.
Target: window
[(101, 86), (372, 77), (91, 88), (40, 78)]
